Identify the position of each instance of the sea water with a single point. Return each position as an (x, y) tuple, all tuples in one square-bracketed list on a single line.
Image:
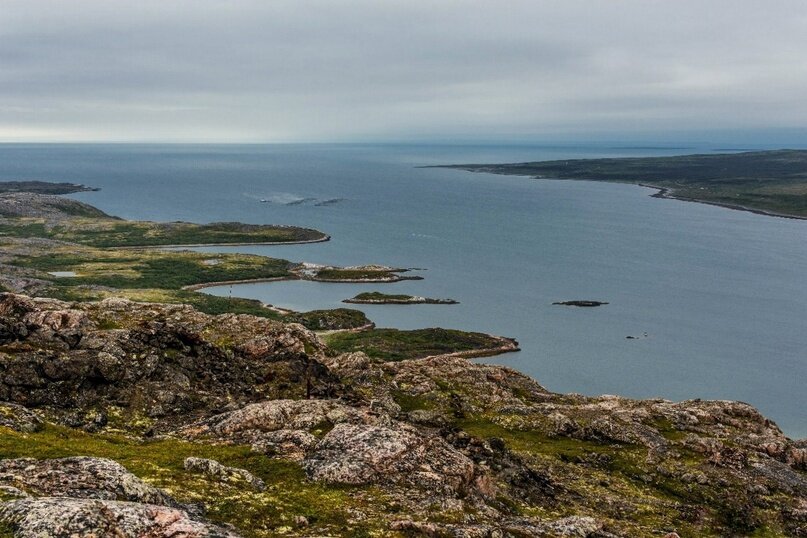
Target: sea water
[(715, 299)]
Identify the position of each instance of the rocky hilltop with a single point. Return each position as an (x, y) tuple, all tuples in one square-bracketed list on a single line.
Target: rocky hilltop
[(131, 419)]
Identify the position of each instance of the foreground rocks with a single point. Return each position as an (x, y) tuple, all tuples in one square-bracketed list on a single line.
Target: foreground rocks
[(58, 517), (252, 421), (158, 363), (400, 456), (81, 477)]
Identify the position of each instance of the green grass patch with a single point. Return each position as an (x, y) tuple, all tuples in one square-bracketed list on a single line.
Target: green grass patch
[(116, 233), (396, 345), (255, 514), (154, 269), (329, 320)]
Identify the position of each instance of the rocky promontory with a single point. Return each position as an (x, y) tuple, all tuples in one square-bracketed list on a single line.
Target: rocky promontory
[(134, 419)]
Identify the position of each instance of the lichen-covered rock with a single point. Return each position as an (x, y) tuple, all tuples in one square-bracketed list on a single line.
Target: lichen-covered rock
[(59, 517), (284, 427), (397, 455), (169, 362), (223, 473), (18, 418), (96, 478), (291, 444), (275, 415)]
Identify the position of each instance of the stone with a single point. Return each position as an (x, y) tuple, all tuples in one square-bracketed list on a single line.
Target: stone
[(18, 418), (397, 455), (85, 477), (223, 473), (59, 517)]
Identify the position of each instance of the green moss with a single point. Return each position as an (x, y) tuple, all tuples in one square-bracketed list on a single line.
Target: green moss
[(256, 514), (327, 320), (411, 402), (666, 428), (6, 530)]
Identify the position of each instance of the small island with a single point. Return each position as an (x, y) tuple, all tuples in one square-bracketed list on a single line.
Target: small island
[(584, 304), (352, 274), (376, 297)]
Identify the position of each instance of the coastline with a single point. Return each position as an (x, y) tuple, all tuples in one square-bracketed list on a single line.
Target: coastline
[(196, 287), (507, 345), (238, 244), (669, 194), (666, 193)]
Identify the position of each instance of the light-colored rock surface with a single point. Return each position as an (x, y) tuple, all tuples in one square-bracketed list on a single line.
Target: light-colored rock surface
[(95, 478), (17, 417), (220, 472), (59, 517), (397, 454)]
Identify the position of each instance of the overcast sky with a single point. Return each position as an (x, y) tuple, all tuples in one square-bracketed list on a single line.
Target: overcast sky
[(275, 70)]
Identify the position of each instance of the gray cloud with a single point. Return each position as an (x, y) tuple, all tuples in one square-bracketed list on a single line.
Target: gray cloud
[(328, 70)]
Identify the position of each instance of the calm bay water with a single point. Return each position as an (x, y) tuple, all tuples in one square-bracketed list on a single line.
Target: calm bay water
[(720, 294)]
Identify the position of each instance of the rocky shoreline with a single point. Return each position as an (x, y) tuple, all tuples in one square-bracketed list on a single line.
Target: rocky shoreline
[(142, 419)]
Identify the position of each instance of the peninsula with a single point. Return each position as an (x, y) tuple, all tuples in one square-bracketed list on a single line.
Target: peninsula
[(767, 182)]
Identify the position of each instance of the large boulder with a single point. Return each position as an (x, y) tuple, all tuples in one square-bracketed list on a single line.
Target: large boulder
[(397, 455), (285, 427), (59, 517), (275, 415), (84, 477), (18, 418)]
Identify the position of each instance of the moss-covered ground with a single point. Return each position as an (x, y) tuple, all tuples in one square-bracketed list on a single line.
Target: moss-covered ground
[(333, 510)]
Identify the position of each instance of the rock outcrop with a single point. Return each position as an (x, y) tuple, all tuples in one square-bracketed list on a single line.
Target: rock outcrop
[(397, 455), (166, 362), (216, 470), (58, 517), (79, 477)]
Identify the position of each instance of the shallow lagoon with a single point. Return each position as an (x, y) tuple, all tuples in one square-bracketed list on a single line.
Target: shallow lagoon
[(719, 293)]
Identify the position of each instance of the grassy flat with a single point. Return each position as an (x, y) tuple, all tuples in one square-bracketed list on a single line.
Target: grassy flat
[(109, 232), (254, 514), (771, 182), (396, 345)]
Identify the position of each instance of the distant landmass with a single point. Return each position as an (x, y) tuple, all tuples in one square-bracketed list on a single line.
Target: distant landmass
[(768, 182), (43, 187)]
